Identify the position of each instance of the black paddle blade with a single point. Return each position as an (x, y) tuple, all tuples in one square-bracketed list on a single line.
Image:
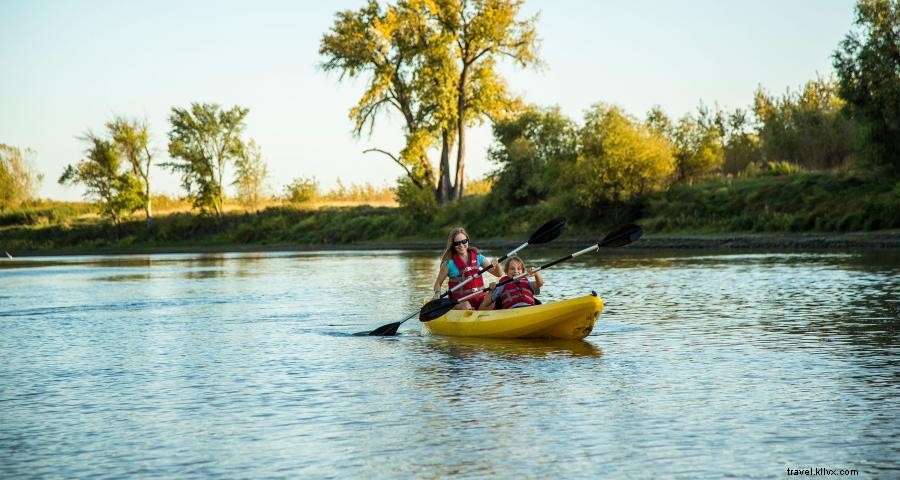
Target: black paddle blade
[(388, 330), (622, 236), (436, 308), (549, 231)]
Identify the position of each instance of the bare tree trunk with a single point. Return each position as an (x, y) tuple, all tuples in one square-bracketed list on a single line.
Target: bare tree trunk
[(443, 191), (148, 206), (456, 191)]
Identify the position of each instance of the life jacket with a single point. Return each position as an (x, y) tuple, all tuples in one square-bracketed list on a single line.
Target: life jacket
[(516, 291), (466, 270)]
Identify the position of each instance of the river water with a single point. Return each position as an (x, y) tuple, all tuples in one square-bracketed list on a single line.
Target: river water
[(244, 366)]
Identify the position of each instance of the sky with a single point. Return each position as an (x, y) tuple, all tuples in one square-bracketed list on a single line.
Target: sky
[(70, 66)]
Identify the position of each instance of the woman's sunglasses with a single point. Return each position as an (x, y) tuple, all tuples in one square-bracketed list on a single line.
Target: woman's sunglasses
[(461, 242)]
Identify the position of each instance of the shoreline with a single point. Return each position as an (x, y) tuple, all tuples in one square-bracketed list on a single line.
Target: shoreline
[(880, 240)]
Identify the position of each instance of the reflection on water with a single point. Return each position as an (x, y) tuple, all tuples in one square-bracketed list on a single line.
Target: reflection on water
[(488, 348), (244, 366)]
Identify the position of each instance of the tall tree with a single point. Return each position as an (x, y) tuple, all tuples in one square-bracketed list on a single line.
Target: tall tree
[(18, 180), (250, 176), (401, 56), (132, 138), (203, 141), (481, 32), (867, 62), (435, 63), (115, 190)]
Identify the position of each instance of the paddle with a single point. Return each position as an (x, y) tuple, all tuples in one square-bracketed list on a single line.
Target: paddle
[(618, 238), (545, 233)]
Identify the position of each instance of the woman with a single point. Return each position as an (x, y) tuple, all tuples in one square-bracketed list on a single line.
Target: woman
[(459, 262)]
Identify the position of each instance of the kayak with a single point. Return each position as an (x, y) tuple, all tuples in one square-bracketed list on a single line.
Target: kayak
[(567, 319)]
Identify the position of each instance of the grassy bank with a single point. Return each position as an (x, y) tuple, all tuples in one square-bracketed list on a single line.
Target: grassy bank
[(808, 203), (793, 203)]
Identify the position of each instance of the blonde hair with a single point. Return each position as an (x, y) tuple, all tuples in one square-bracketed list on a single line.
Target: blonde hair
[(448, 252), (514, 259)]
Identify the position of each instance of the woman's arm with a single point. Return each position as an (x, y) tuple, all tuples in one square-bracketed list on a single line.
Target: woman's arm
[(442, 274)]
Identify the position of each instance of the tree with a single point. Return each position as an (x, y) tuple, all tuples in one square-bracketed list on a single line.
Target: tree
[(698, 145), (867, 63), (18, 180), (434, 62), (532, 150), (619, 159), (116, 191), (697, 141), (251, 176), (741, 143), (203, 140), (132, 139), (302, 190), (401, 56), (805, 127), (481, 31)]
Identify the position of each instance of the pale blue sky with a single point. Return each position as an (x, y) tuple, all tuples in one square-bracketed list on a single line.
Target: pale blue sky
[(68, 66)]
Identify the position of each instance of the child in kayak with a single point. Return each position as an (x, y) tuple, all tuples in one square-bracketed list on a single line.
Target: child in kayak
[(459, 262), (517, 293)]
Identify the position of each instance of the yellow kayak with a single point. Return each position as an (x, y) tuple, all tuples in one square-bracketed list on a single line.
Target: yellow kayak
[(568, 319)]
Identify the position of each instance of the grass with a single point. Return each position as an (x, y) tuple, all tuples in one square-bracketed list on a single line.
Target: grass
[(800, 202)]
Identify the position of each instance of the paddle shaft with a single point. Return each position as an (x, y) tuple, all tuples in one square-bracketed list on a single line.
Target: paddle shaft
[(592, 248), (481, 272)]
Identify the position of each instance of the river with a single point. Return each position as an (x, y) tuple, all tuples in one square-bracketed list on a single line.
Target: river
[(702, 365)]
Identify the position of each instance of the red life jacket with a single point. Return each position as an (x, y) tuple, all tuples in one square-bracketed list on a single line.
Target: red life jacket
[(465, 271), (516, 291)]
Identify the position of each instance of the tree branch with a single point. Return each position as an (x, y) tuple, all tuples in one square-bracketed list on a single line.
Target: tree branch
[(398, 162)]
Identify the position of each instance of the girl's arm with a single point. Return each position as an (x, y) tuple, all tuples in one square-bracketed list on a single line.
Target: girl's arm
[(538, 279), (495, 268)]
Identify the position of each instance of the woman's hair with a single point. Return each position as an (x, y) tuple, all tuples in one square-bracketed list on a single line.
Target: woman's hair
[(448, 252), (514, 259)]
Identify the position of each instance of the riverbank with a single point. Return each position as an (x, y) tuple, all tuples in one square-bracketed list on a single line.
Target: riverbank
[(880, 240)]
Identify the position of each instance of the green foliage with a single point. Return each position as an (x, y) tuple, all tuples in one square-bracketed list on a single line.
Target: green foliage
[(116, 191), (435, 63), (868, 68), (250, 177), (698, 146), (806, 127), (419, 203), (132, 139), (771, 169), (301, 190), (43, 212), (532, 150), (18, 180), (742, 145), (619, 159), (795, 203), (203, 141)]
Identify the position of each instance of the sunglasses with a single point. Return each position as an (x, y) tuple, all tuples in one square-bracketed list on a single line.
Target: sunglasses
[(461, 242)]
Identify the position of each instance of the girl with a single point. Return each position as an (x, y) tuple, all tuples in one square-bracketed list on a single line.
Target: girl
[(517, 293), (459, 262)]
